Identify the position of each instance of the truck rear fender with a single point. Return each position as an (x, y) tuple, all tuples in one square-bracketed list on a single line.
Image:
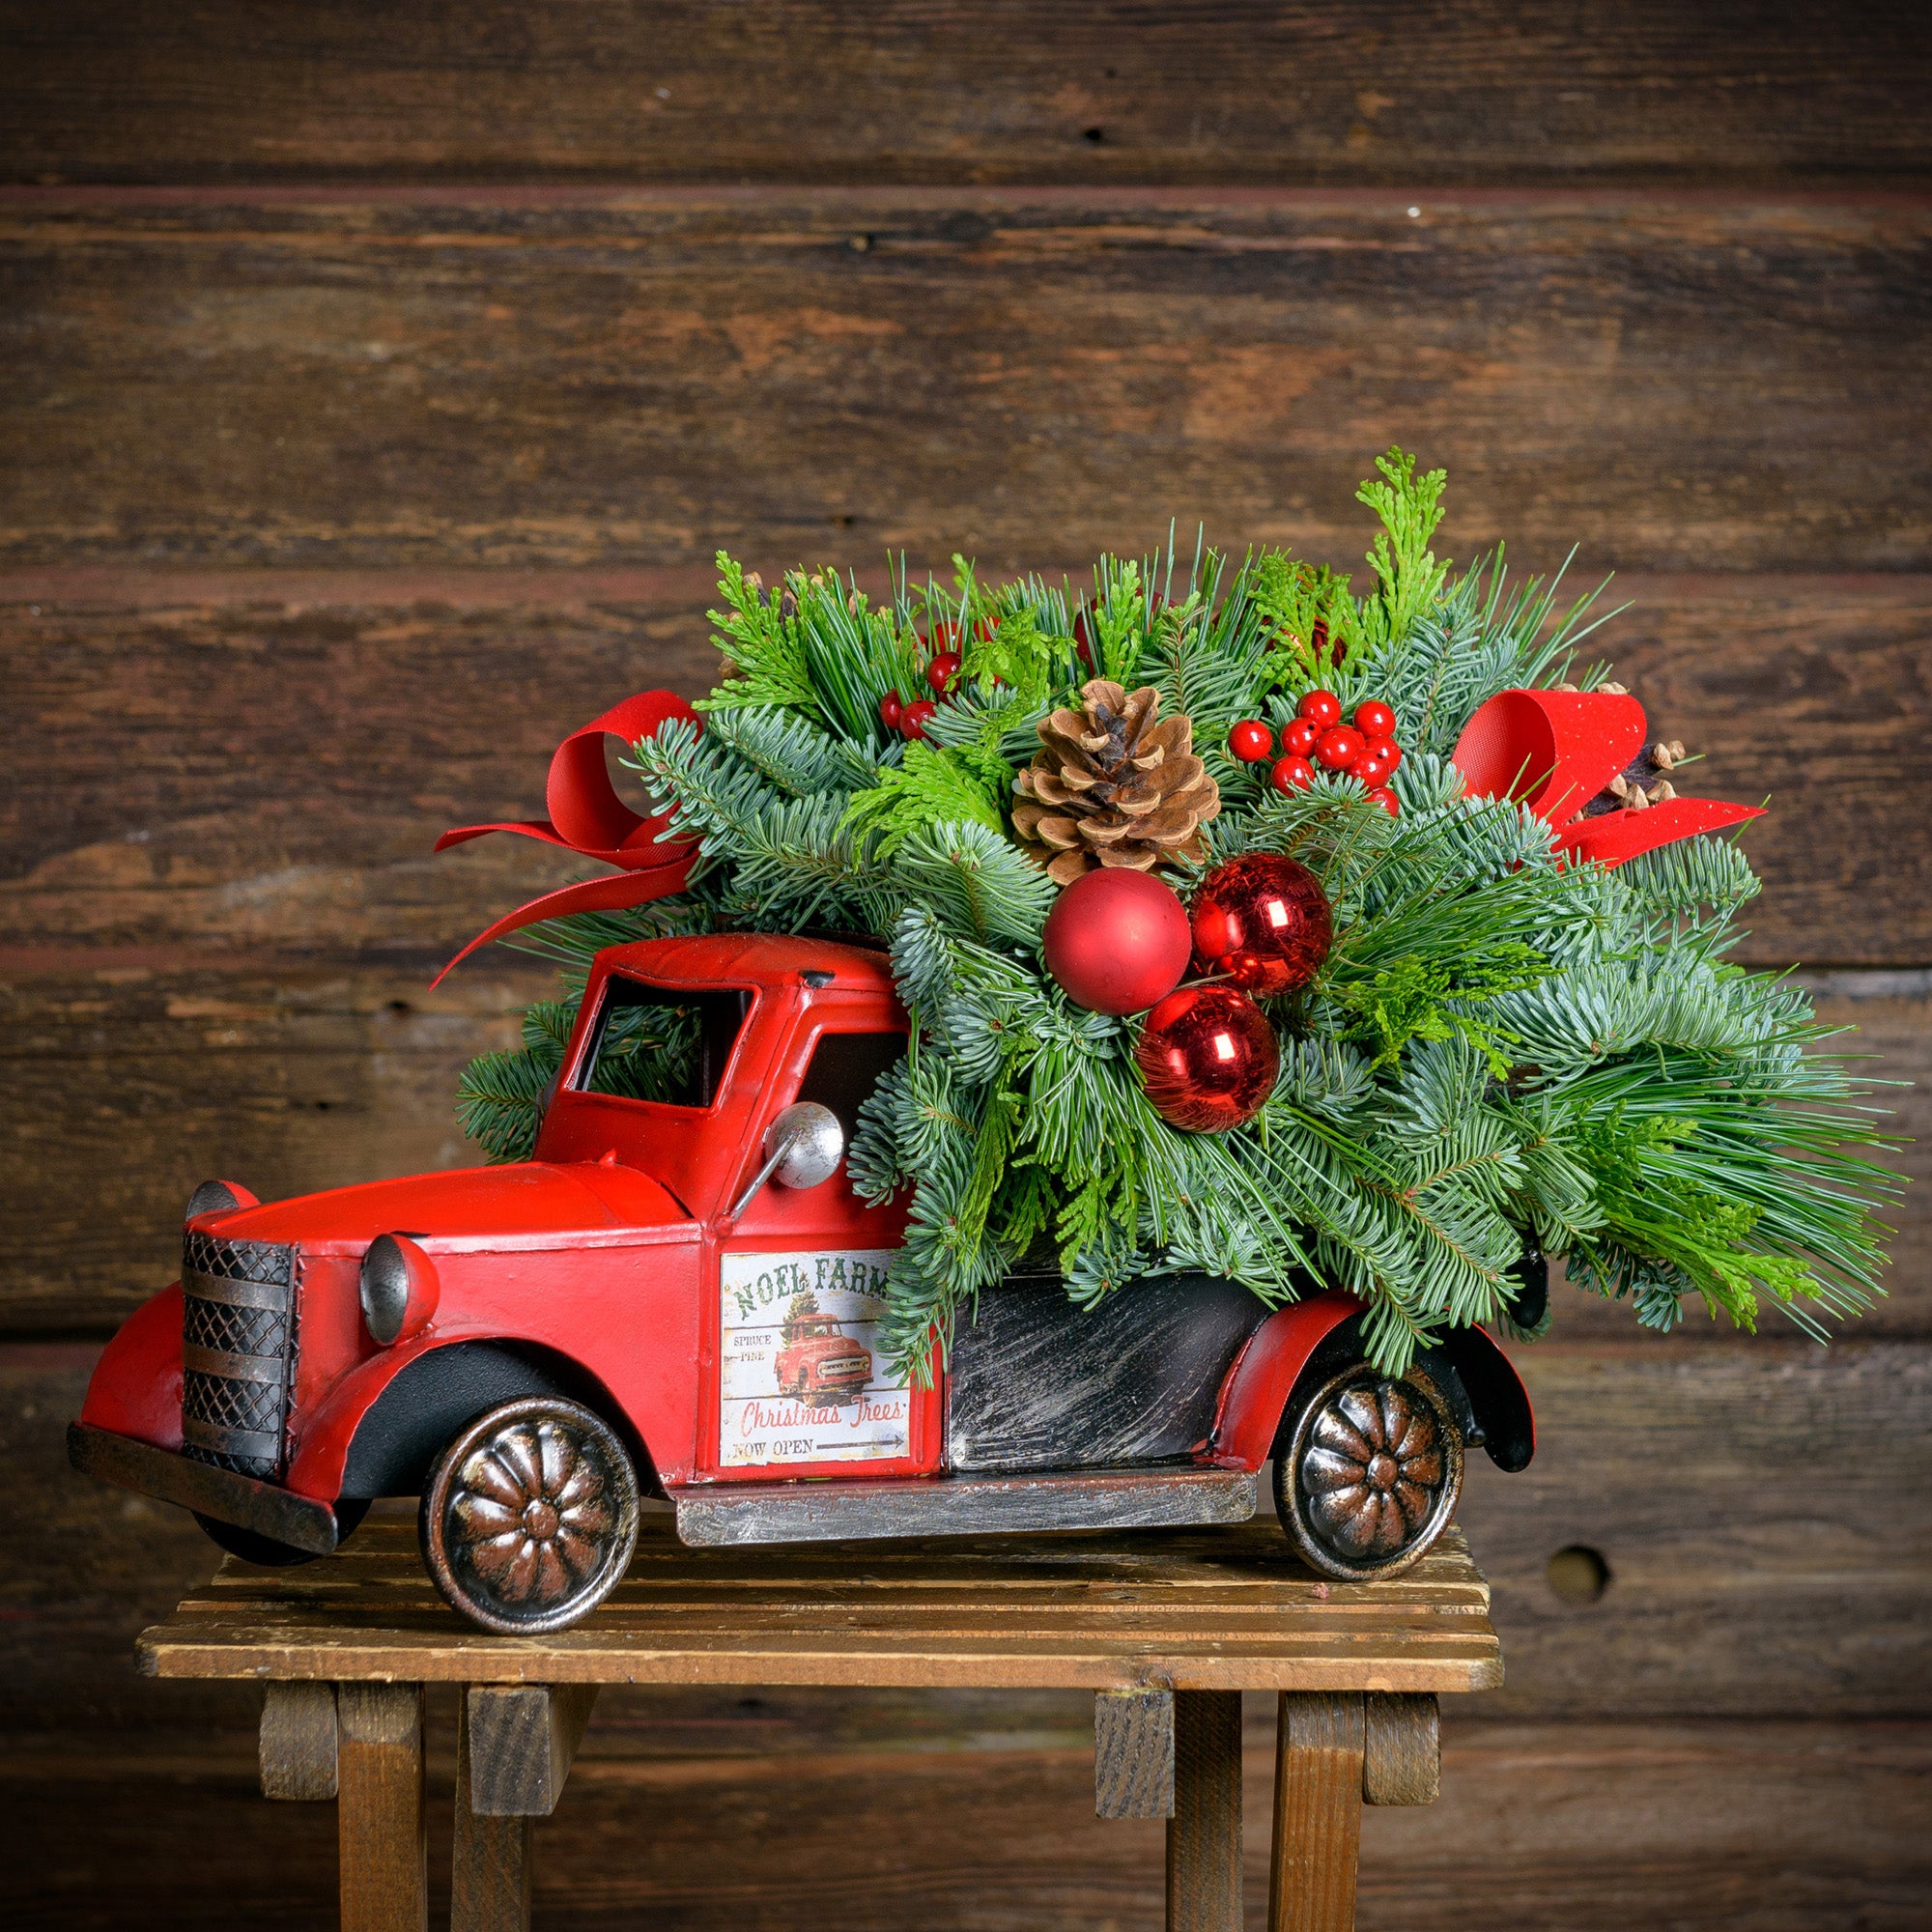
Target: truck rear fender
[(137, 1385), (386, 1423), (1497, 1395), (1255, 1388), (1483, 1389)]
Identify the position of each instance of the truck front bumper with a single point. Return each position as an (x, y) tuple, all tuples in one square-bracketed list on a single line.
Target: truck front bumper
[(301, 1521)]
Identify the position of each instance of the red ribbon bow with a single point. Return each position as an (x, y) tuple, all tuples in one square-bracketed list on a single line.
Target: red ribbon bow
[(587, 816), (1554, 750)]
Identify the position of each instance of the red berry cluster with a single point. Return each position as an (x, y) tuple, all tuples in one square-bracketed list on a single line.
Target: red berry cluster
[(1365, 748), (941, 672)]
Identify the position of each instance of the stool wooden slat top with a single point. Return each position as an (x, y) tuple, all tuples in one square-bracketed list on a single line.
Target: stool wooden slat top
[(1181, 1614)]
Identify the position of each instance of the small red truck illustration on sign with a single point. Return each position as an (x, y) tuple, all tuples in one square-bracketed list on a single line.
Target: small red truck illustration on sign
[(680, 1296), (820, 1361)]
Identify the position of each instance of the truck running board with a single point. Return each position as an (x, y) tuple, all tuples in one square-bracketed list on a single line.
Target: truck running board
[(833, 1512)]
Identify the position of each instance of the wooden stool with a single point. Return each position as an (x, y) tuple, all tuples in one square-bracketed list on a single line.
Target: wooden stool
[(1167, 1627)]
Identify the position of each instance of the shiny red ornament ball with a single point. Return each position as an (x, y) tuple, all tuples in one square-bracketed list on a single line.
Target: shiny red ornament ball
[(1207, 1059), (1386, 749), (1251, 741), (1371, 770), (1322, 708), (1117, 939), (943, 669), (892, 708), (1292, 773), (1262, 920), (1339, 748), (1297, 740), (912, 720), (1375, 719), (1386, 799)]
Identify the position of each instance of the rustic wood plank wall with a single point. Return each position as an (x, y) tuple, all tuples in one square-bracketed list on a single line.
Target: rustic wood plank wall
[(380, 382)]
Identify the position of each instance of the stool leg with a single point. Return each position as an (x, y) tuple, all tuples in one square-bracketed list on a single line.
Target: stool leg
[(1203, 1836), (489, 1875), (380, 1807), (1318, 1812)]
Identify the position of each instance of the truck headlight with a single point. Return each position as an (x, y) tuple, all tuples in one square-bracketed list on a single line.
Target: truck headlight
[(219, 1197), (399, 1289)]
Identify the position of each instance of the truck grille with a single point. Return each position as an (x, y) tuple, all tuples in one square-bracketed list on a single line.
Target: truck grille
[(237, 1350)]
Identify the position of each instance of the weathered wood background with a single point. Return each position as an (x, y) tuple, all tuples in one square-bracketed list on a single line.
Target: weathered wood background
[(378, 381)]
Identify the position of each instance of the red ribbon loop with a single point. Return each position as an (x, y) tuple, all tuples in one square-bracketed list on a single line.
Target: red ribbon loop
[(587, 816), (1555, 750), (585, 813)]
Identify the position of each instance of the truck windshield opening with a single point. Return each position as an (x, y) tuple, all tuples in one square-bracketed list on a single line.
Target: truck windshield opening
[(662, 1044)]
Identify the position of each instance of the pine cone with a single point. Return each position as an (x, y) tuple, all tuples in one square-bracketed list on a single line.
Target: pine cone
[(1641, 783), (1112, 785)]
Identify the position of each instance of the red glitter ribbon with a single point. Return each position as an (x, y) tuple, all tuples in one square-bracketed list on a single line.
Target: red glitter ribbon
[(587, 816), (1555, 750)]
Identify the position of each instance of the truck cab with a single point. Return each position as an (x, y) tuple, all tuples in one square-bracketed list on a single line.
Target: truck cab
[(679, 1295)]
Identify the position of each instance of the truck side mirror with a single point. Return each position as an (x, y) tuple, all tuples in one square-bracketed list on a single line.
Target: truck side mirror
[(802, 1147)]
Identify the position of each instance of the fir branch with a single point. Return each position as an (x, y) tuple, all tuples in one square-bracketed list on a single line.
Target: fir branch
[(499, 1099), (794, 754), (1678, 881), (797, 865), (993, 731), (976, 880)]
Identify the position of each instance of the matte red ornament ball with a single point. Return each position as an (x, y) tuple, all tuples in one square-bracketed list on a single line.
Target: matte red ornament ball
[(1117, 939), (892, 708), (1207, 1059), (943, 669), (1321, 709), (1375, 719), (1339, 748), (1292, 773), (1264, 922), (1297, 740), (1251, 741), (912, 720)]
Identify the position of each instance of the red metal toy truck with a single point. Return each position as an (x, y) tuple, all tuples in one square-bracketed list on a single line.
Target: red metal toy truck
[(680, 1297)]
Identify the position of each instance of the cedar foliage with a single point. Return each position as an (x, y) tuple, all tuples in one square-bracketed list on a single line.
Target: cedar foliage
[(1498, 1049)]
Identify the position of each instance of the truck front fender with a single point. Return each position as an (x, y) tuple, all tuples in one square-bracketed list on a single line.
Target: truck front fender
[(137, 1385), (1255, 1388), (386, 1423)]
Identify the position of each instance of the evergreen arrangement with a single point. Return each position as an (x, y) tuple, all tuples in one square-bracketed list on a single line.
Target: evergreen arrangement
[(1501, 1046)]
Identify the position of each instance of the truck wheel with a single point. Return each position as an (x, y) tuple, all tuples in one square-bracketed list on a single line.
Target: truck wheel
[(531, 1518), (1366, 1477), (250, 1546)]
